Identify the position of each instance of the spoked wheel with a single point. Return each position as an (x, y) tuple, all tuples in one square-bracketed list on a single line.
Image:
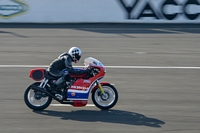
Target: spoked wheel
[(36, 100), (108, 99)]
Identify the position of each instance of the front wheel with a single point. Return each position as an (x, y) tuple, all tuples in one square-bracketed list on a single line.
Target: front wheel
[(36, 100), (108, 99)]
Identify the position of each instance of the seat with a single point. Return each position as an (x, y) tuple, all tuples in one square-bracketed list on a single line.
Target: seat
[(49, 76)]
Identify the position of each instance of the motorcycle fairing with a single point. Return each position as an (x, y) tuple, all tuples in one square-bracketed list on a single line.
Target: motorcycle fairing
[(80, 90)]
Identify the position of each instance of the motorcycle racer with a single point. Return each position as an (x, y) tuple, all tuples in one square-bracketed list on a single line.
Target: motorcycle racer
[(104, 95), (64, 61)]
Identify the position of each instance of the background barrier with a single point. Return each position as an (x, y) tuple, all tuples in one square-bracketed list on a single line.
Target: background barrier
[(114, 11)]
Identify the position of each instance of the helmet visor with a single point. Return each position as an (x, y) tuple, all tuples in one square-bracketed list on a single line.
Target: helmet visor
[(77, 57)]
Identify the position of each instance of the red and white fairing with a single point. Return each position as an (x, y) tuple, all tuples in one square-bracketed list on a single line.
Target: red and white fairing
[(79, 91)]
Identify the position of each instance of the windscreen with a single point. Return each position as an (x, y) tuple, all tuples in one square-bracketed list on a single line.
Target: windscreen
[(92, 61)]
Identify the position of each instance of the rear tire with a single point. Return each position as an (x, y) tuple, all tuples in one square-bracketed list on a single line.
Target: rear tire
[(106, 101), (36, 100)]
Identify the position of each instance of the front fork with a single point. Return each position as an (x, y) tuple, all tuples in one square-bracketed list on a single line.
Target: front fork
[(100, 87)]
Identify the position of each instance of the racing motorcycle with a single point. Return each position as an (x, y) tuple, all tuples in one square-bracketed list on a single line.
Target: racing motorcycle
[(104, 95)]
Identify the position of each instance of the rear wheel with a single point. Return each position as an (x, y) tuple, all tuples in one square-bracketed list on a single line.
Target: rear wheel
[(36, 100), (108, 99)]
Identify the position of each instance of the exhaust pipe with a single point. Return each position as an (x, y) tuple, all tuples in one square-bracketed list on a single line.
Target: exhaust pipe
[(40, 89)]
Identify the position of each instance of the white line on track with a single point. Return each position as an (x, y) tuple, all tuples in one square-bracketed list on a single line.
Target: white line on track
[(67, 105), (154, 67), (138, 67)]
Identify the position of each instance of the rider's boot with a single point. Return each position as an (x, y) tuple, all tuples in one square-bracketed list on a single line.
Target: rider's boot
[(55, 85), (53, 88)]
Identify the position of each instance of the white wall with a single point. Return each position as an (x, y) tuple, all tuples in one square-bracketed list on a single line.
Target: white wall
[(69, 11)]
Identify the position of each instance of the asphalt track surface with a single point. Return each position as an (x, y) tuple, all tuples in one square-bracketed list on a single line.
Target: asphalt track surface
[(161, 99)]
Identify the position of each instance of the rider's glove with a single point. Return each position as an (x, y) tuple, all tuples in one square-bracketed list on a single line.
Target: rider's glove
[(89, 70), (88, 73)]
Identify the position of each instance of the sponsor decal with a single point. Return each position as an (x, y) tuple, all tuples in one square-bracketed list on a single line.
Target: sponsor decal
[(94, 63), (87, 81), (73, 94), (162, 9), (79, 88), (11, 8)]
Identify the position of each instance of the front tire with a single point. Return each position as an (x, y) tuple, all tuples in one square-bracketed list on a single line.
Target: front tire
[(106, 101), (36, 100)]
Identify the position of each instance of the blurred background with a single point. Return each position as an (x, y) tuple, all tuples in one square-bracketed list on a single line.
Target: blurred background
[(150, 50)]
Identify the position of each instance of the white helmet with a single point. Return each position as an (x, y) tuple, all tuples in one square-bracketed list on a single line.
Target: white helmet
[(75, 53)]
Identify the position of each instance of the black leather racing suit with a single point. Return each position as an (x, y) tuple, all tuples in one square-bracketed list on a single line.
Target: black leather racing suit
[(64, 61)]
